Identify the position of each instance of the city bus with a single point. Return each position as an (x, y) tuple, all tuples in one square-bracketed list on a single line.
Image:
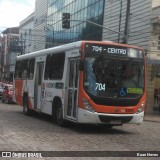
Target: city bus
[(87, 82)]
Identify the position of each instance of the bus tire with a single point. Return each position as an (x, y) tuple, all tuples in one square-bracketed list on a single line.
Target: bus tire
[(59, 115), (26, 109)]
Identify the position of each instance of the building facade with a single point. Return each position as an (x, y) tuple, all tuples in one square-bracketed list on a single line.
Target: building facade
[(138, 21), (80, 12), (1, 38), (9, 50), (26, 34), (3, 55), (155, 3), (40, 16), (153, 63)]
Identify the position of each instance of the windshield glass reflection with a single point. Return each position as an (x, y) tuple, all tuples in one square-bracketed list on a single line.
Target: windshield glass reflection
[(108, 77)]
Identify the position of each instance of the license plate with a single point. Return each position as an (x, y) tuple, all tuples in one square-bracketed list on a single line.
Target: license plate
[(116, 122)]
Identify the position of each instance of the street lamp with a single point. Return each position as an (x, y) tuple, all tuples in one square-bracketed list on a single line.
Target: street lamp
[(47, 28)]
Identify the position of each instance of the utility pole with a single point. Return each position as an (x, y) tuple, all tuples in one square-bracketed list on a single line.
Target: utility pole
[(125, 41), (21, 43), (120, 17), (25, 44)]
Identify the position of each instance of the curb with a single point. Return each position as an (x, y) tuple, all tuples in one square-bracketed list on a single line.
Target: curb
[(152, 117), (148, 120)]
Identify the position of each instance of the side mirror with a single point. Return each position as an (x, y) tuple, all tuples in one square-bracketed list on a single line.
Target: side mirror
[(81, 65)]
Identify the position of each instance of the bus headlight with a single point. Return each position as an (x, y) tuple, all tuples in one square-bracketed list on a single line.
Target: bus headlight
[(141, 108), (87, 105)]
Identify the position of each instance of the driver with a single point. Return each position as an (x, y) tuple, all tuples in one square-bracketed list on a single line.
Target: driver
[(128, 77)]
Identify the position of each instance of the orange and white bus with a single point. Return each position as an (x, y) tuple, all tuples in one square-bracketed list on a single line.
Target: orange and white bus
[(92, 82)]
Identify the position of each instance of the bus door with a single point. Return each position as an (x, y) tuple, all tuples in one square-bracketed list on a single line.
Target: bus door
[(73, 87), (38, 85)]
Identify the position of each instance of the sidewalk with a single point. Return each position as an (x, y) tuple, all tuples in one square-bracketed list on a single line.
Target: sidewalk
[(152, 117)]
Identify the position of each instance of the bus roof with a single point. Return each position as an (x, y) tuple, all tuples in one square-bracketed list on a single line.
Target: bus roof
[(56, 49), (66, 47)]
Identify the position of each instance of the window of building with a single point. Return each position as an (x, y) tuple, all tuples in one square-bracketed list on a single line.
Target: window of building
[(91, 10)]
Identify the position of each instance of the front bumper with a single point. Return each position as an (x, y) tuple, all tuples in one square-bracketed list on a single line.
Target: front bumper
[(85, 116)]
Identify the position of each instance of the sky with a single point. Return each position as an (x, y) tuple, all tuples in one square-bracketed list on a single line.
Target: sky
[(12, 12)]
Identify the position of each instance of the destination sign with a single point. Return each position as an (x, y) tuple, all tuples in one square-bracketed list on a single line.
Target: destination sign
[(112, 50)]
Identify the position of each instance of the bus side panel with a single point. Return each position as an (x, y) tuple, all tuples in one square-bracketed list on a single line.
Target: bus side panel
[(18, 92), (28, 87), (50, 92), (21, 87), (47, 99)]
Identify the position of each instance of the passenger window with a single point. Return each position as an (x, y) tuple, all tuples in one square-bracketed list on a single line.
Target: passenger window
[(57, 66), (31, 69), (18, 70), (71, 74), (25, 69), (47, 67)]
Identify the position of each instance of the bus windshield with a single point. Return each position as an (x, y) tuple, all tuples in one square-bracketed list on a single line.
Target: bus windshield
[(110, 77)]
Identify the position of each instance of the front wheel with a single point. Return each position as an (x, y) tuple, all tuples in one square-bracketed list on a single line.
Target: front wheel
[(59, 115), (26, 110)]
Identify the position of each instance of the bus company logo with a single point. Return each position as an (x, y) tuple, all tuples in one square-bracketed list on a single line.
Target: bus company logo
[(117, 51), (6, 154), (50, 85)]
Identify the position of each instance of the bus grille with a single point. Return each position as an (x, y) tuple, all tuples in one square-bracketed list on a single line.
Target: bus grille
[(112, 118)]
